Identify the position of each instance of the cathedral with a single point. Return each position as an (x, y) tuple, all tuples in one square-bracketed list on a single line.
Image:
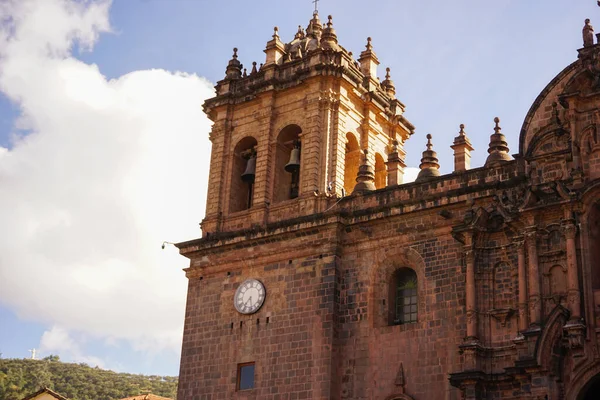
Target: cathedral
[(321, 275)]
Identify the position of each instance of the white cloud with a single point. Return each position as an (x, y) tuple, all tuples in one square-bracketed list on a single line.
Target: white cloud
[(410, 174), (58, 340), (108, 170)]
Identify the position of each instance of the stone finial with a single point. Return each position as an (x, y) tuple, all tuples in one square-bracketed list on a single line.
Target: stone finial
[(254, 70), (588, 34), (234, 67), (275, 49), (498, 148), (429, 163), (368, 61), (314, 28), (400, 381), (245, 74), (388, 84), (462, 150), (365, 179), (300, 34), (329, 39), (395, 164)]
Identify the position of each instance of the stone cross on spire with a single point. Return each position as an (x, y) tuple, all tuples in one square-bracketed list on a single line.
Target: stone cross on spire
[(317, 5)]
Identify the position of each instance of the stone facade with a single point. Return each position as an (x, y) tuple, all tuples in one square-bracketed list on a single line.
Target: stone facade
[(502, 259)]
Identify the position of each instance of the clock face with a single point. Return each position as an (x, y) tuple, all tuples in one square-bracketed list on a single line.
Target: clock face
[(249, 296)]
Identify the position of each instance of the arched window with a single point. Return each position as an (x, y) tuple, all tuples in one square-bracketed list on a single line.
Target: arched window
[(403, 297), (242, 175), (380, 172), (287, 164), (351, 163)]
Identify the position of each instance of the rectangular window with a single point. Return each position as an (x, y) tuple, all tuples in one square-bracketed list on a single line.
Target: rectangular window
[(245, 376)]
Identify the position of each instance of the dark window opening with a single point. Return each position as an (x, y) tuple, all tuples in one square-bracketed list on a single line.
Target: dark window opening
[(287, 164), (243, 175), (404, 298), (245, 376)]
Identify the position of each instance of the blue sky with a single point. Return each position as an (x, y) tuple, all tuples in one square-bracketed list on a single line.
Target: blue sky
[(103, 146)]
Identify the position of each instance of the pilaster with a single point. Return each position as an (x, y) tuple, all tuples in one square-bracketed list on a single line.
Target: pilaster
[(535, 304), (522, 271)]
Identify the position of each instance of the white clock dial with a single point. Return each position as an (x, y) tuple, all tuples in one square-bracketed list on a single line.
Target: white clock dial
[(249, 296)]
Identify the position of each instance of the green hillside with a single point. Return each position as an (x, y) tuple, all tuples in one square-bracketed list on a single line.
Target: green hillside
[(21, 377)]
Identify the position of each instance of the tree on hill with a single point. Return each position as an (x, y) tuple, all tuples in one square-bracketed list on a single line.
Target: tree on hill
[(21, 377)]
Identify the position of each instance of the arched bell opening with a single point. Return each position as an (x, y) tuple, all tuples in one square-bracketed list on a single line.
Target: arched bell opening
[(351, 162), (591, 391), (243, 174), (380, 172), (287, 164)]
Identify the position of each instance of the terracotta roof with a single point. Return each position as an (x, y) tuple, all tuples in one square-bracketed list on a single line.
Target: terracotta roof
[(45, 390), (149, 396)]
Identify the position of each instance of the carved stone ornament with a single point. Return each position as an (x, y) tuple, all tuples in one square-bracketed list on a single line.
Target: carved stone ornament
[(569, 229), (400, 378), (502, 315), (512, 199), (574, 335), (534, 304)]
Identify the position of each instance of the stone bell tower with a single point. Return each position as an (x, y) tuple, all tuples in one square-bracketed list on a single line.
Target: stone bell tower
[(310, 99), (292, 137)]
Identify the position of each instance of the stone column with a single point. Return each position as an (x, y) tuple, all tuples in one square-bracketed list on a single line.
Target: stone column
[(570, 231), (471, 299), (523, 316), (535, 310)]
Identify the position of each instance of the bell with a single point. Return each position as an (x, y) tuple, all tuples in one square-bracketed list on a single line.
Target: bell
[(248, 175), (294, 164)]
